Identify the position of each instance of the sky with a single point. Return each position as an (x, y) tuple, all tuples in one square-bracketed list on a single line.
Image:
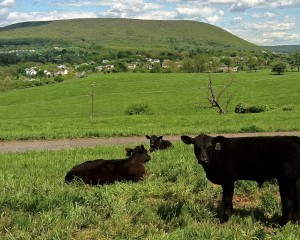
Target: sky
[(262, 22)]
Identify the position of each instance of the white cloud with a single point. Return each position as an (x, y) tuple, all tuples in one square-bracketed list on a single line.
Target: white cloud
[(194, 12), (263, 15), (7, 3), (271, 32), (158, 15), (241, 6), (285, 37), (286, 3), (16, 17), (3, 11), (236, 20), (77, 3), (270, 26), (216, 18), (244, 5), (133, 9)]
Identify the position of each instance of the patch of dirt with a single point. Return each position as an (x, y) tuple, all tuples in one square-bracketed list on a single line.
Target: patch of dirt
[(57, 144)]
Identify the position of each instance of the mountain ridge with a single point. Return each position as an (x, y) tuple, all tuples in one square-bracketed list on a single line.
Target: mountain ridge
[(128, 34)]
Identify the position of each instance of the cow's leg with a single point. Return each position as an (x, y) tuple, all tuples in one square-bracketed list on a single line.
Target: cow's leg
[(296, 201), (286, 194), (228, 190)]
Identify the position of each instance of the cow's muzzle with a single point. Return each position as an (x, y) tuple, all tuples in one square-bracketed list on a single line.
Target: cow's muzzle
[(204, 161)]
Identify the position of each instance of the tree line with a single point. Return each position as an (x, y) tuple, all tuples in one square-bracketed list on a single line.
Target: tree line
[(190, 61)]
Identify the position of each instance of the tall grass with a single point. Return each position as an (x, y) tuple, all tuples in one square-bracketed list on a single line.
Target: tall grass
[(64, 110), (175, 201)]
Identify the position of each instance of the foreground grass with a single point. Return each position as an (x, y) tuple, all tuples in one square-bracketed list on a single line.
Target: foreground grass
[(64, 110), (174, 202)]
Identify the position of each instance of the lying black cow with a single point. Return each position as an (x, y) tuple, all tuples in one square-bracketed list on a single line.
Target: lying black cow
[(108, 171), (226, 160), (158, 143), (131, 151)]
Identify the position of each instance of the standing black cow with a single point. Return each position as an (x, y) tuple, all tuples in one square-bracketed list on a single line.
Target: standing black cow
[(158, 143), (108, 171), (226, 160)]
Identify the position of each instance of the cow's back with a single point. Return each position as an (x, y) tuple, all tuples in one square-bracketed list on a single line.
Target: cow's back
[(263, 157), (165, 144), (96, 171)]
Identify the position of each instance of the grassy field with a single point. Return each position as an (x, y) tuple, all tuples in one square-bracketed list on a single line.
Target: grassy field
[(175, 201), (64, 110)]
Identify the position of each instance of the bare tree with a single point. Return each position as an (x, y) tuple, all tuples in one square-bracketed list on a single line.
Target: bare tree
[(215, 98)]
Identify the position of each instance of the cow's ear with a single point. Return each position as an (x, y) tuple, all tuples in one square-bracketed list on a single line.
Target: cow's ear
[(147, 136), (187, 139), (142, 147), (128, 150), (160, 137), (218, 143)]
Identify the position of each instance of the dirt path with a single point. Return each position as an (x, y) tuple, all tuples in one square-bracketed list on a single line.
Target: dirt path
[(57, 144)]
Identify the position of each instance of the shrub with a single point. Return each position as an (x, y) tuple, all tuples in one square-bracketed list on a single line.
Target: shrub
[(58, 79), (288, 108), (139, 108), (245, 108), (249, 129)]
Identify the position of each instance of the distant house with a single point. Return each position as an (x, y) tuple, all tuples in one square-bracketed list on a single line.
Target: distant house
[(132, 65), (62, 67), (61, 72), (99, 68), (109, 67), (153, 61), (31, 71), (166, 64), (225, 68), (169, 63), (148, 66), (47, 73)]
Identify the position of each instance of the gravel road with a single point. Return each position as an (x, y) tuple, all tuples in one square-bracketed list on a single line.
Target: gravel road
[(57, 144)]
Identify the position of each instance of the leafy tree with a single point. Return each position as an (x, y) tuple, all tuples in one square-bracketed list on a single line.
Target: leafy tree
[(201, 62), (227, 61), (214, 64), (296, 59), (279, 67), (121, 67), (59, 79), (156, 68), (40, 73), (188, 65), (252, 63)]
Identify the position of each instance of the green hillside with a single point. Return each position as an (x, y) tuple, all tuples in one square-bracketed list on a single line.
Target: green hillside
[(126, 34), (283, 48)]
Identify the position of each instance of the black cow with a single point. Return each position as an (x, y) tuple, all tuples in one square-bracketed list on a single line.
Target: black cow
[(157, 143), (131, 151), (226, 160), (108, 171)]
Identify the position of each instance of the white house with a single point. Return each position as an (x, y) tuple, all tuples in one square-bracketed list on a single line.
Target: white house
[(31, 71), (132, 65)]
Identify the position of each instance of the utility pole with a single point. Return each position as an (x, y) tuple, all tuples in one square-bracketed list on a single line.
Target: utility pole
[(93, 94)]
